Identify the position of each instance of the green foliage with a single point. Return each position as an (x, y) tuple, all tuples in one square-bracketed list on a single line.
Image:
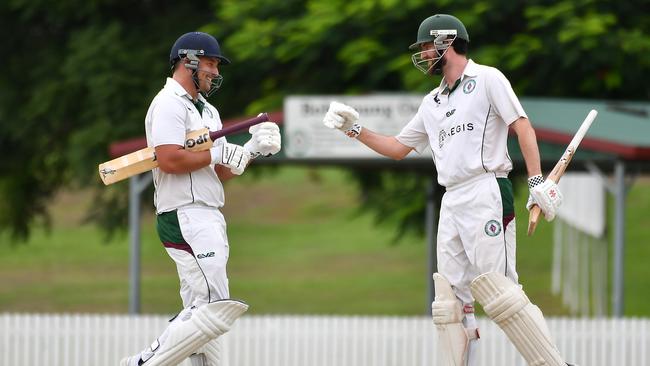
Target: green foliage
[(398, 199), (77, 76), (80, 75)]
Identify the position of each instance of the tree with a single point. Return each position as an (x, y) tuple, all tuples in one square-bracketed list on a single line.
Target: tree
[(76, 76)]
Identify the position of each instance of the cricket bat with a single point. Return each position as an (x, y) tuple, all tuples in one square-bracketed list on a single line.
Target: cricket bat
[(562, 164), (145, 159)]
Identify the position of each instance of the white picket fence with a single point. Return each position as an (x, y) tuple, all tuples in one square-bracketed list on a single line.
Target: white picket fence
[(102, 340)]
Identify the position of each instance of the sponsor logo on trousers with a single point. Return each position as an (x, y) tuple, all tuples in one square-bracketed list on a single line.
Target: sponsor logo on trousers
[(206, 255)]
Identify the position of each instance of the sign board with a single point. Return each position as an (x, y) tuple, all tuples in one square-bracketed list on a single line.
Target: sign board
[(584, 205), (307, 138)]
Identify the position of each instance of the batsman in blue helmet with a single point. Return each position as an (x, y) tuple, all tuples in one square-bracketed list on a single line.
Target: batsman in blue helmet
[(188, 198)]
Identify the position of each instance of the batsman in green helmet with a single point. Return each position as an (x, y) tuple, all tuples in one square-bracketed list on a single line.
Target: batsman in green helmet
[(464, 123), (438, 33)]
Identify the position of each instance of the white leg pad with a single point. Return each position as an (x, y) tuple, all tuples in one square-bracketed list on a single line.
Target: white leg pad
[(198, 359), (447, 312), (507, 304), (196, 328), (209, 355)]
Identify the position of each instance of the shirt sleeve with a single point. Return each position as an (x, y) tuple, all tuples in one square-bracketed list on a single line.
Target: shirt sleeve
[(503, 98), (168, 122), (414, 135)]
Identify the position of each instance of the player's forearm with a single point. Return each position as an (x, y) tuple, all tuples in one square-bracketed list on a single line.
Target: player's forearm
[(384, 145), (528, 145), (181, 161), (530, 152)]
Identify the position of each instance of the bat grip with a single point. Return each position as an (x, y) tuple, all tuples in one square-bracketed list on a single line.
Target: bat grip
[(535, 211), (533, 219), (214, 135)]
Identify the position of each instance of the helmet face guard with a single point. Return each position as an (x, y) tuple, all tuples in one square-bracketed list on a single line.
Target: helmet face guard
[(440, 31), (442, 40), (194, 64)]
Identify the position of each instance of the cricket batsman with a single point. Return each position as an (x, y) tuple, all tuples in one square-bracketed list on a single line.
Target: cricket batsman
[(465, 121), (188, 196)]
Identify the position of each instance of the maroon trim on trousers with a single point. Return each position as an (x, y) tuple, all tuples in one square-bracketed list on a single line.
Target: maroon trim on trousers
[(180, 246), (506, 221)]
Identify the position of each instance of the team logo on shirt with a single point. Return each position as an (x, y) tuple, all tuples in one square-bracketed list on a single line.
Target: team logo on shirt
[(493, 228), (469, 86), (454, 130)]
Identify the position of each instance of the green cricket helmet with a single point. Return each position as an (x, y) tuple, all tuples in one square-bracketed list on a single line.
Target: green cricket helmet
[(441, 30)]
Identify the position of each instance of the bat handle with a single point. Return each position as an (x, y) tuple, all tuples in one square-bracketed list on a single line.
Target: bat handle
[(533, 219), (239, 127)]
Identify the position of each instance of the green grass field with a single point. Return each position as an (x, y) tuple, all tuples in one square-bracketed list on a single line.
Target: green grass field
[(298, 246)]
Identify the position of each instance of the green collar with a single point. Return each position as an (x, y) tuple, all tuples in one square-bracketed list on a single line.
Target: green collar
[(447, 90), (199, 106)]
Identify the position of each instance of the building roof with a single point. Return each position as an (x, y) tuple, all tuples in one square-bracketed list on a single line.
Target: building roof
[(621, 129)]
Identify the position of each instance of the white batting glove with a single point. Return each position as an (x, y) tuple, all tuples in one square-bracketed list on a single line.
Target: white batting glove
[(265, 140), (545, 194), (232, 156), (344, 118)]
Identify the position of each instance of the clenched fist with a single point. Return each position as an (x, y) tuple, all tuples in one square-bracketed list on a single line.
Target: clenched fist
[(265, 139), (545, 194), (230, 155), (344, 118)]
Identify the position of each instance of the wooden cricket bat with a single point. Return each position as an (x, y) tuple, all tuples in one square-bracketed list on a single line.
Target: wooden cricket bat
[(144, 160), (560, 167)]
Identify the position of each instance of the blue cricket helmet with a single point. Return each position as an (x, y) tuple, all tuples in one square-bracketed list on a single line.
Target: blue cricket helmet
[(198, 43)]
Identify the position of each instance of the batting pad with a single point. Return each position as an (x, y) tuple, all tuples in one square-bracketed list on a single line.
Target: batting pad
[(507, 304), (184, 336), (208, 355), (447, 312)]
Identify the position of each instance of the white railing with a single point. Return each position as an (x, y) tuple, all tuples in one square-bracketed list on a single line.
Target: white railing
[(102, 340)]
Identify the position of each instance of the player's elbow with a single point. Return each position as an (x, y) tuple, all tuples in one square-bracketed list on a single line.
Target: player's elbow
[(398, 151), (396, 156)]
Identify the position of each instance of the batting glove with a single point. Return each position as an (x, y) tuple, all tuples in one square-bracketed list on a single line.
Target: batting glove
[(232, 156), (265, 140), (344, 118), (545, 194)]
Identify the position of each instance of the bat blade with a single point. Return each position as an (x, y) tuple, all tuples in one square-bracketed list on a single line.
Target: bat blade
[(560, 167), (128, 165), (145, 159)]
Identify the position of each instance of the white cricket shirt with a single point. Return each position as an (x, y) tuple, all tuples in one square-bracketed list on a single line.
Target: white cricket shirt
[(170, 117), (466, 128)]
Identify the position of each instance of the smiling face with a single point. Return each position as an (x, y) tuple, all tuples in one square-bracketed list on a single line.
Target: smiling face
[(208, 74)]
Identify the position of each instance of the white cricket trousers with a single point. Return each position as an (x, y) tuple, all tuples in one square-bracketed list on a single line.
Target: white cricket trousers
[(195, 238), (476, 232)]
